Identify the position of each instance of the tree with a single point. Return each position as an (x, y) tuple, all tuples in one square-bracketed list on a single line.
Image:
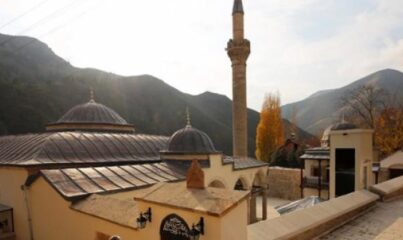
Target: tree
[(374, 108), (389, 131), (286, 155), (270, 131), (364, 103)]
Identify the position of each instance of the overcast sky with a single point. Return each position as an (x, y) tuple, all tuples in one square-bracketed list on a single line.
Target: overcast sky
[(298, 46)]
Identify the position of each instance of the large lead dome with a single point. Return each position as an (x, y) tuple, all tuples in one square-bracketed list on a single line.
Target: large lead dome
[(91, 116), (92, 112)]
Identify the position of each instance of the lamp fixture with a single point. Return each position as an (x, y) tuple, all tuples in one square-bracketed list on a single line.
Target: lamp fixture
[(143, 219), (115, 237), (197, 230)]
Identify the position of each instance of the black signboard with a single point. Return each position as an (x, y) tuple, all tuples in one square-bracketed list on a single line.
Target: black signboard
[(174, 227)]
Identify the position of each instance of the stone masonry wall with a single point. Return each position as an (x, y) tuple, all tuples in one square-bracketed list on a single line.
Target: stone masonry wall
[(284, 183)]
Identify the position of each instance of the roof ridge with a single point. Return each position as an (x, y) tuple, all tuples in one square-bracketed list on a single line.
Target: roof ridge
[(40, 146)]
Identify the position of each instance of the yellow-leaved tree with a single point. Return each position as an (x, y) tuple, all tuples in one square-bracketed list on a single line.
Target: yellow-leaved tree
[(270, 131), (389, 131)]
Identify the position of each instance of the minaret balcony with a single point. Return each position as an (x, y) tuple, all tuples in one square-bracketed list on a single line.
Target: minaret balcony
[(238, 50), (238, 43)]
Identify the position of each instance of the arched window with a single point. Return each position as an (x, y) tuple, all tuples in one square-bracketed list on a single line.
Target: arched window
[(217, 184)]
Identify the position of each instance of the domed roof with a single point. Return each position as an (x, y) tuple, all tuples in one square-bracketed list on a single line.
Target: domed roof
[(343, 126), (92, 112), (325, 140), (190, 140), (91, 116)]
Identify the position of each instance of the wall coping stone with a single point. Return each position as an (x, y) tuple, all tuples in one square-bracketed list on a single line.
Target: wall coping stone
[(314, 221), (390, 189)]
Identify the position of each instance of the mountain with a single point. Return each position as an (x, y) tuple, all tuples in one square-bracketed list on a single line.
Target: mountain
[(37, 87), (323, 108)]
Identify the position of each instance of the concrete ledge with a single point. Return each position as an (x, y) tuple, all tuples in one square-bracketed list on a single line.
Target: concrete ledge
[(389, 190), (315, 221)]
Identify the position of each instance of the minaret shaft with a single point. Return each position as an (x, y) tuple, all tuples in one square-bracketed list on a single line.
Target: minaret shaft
[(237, 26), (238, 50), (239, 113)]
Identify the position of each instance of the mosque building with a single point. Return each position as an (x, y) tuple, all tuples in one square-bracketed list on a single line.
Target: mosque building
[(88, 164), (91, 176)]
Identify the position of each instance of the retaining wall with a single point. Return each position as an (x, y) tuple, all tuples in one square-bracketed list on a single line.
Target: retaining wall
[(284, 183)]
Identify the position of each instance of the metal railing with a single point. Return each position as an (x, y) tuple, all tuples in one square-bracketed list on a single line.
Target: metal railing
[(313, 182)]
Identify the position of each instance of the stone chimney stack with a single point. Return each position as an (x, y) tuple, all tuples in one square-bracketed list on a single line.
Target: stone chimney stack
[(195, 176), (238, 49)]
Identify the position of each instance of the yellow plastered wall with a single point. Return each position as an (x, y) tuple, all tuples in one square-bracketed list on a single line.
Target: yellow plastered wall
[(54, 219), (229, 177), (225, 173), (11, 180), (361, 141), (232, 225)]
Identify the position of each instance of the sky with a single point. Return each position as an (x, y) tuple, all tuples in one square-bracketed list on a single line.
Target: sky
[(298, 46)]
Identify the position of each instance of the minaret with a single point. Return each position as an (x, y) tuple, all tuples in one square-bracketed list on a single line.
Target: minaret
[(238, 49)]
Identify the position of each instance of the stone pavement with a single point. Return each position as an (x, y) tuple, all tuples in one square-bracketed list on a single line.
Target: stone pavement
[(383, 222)]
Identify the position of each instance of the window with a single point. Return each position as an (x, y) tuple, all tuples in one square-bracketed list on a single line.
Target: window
[(6, 220), (315, 171)]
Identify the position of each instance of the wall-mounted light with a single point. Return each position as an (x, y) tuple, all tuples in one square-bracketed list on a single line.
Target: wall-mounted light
[(115, 237), (143, 219), (197, 230)]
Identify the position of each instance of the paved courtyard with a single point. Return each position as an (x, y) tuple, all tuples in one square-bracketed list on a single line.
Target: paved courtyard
[(383, 222)]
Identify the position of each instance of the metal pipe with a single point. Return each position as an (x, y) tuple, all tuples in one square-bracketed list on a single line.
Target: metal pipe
[(264, 203), (24, 189), (320, 177), (302, 177)]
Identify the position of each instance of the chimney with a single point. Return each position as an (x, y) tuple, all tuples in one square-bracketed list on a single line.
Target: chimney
[(195, 176)]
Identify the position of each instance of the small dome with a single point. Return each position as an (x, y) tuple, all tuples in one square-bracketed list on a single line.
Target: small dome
[(92, 112), (190, 140), (325, 140), (343, 126), (91, 116)]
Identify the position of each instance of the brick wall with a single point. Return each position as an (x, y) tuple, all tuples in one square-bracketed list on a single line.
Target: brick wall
[(284, 183)]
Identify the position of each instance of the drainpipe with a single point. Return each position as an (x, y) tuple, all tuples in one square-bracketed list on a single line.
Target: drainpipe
[(320, 177), (24, 188), (302, 177), (264, 202)]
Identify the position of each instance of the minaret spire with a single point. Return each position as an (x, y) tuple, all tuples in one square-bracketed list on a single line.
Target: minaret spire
[(238, 49), (238, 7), (188, 124), (92, 95)]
